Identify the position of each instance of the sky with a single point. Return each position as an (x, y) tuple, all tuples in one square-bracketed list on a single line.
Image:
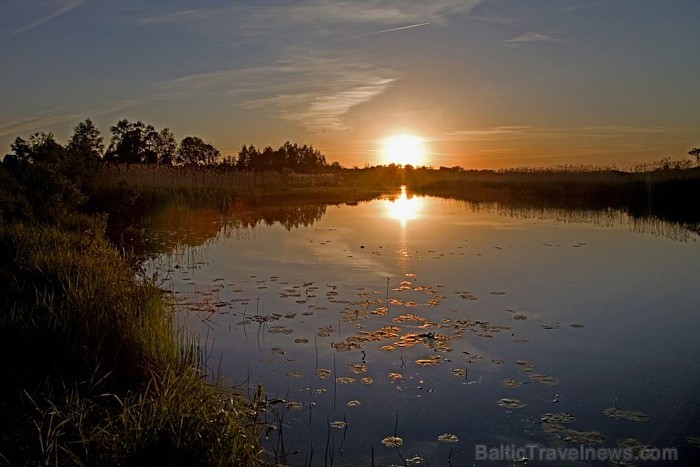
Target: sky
[(485, 83)]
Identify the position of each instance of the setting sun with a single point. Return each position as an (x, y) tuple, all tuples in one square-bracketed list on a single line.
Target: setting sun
[(403, 150)]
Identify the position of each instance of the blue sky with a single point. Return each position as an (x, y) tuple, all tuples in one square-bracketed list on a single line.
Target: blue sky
[(487, 83)]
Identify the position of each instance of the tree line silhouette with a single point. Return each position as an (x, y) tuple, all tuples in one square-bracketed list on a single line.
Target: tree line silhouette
[(44, 179), (141, 143)]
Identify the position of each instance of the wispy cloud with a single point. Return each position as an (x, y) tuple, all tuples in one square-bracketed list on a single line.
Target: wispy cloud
[(319, 16), (67, 6), (319, 111), (314, 91), (37, 122), (530, 37), (557, 132)]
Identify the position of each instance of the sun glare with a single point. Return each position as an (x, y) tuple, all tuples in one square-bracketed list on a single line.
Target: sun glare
[(403, 150), (404, 208)]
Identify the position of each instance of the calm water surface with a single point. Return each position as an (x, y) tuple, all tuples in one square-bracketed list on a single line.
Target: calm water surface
[(421, 317)]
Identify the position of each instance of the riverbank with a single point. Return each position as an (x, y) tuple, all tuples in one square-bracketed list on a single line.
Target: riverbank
[(96, 374)]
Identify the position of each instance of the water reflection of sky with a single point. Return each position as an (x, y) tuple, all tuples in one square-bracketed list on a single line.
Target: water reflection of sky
[(635, 295), (403, 208)]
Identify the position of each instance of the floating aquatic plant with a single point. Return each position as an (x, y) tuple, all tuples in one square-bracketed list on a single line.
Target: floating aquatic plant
[(392, 441), (357, 368), (511, 383), (344, 380), (432, 361), (693, 441), (620, 414), (584, 437), (508, 403), (524, 365), (559, 417), (448, 438), (632, 444), (544, 379), (294, 405)]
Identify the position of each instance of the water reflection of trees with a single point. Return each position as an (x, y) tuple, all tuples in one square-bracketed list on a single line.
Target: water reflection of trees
[(174, 225), (605, 217), (161, 229)]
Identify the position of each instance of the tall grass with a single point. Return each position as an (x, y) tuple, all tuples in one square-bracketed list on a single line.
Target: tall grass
[(210, 186), (94, 372)]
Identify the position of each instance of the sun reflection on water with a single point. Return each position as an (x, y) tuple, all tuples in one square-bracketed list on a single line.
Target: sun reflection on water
[(404, 208)]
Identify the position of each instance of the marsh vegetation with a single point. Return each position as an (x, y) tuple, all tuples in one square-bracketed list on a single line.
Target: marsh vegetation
[(168, 307)]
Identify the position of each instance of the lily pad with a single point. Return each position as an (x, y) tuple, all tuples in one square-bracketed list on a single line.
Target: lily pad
[(392, 441), (693, 441), (322, 373), (620, 414), (544, 379), (632, 444), (294, 405), (339, 424), (508, 403), (524, 365), (432, 361), (511, 383), (344, 380), (357, 368), (448, 438), (559, 417), (584, 437)]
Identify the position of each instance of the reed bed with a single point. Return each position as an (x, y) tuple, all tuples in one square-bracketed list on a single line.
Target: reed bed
[(211, 186), (97, 375)]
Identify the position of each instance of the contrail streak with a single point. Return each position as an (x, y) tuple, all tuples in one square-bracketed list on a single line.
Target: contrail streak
[(393, 29), (69, 6)]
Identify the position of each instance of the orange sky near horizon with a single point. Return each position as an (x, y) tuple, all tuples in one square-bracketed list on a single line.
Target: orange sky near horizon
[(484, 83)]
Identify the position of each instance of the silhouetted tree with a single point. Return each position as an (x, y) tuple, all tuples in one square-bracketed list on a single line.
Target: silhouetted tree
[(138, 143), (245, 158), (287, 158), (40, 148), (86, 140), (164, 150), (194, 151), (695, 152), (84, 155), (47, 176)]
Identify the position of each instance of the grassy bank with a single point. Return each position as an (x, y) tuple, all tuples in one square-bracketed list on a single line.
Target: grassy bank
[(95, 375)]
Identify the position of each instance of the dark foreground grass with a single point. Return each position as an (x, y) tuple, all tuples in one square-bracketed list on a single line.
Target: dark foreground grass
[(93, 373)]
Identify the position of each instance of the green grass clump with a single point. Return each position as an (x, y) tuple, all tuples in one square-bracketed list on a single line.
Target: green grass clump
[(96, 375)]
